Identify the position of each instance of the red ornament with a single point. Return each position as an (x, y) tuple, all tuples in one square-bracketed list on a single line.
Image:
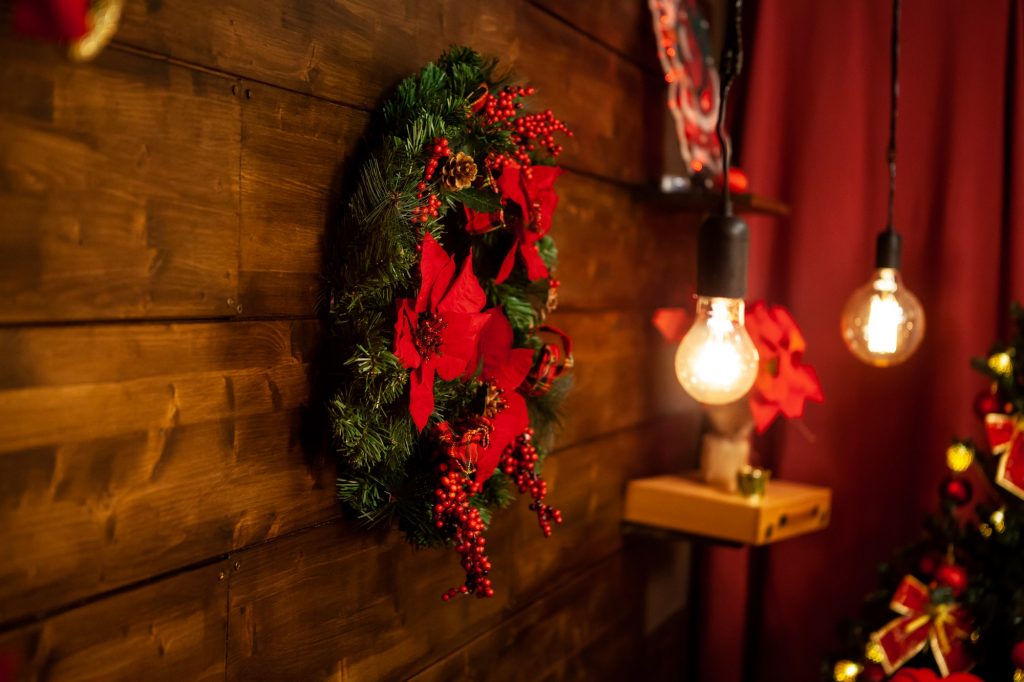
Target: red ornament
[(927, 564), (437, 333), (987, 403), (952, 576), (1017, 655), (956, 490), (738, 181)]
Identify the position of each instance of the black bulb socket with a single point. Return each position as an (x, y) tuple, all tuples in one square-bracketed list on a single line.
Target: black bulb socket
[(888, 247), (723, 247)]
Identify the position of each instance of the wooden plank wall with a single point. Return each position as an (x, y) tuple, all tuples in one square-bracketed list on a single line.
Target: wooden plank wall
[(166, 503)]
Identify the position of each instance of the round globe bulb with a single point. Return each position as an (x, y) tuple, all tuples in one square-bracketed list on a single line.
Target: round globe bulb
[(883, 322), (717, 362)]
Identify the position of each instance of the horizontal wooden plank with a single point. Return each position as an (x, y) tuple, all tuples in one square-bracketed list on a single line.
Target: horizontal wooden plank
[(626, 27), (141, 448), (587, 483), (295, 180), (338, 602), (589, 628), (355, 51), (118, 188), (169, 630)]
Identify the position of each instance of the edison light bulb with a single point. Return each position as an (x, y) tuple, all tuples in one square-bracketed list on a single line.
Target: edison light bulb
[(883, 323), (717, 362)]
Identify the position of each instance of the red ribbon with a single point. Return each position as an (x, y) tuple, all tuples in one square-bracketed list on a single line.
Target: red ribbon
[(1006, 437), (944, 627)]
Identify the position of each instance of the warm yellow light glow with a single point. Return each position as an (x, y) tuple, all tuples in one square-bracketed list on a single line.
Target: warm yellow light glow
[(846, 671), (884, 319), (717, 362), (959, 457), (883, 322)]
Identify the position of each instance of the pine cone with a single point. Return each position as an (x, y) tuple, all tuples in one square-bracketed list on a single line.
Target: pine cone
[(459, 171)]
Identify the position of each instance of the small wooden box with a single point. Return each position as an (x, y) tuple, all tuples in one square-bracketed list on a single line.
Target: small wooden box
[(687, 505)]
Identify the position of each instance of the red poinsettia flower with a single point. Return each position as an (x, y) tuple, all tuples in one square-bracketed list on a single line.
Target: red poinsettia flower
[(783, 383), (535, 196), (505, 368), (438, 332)]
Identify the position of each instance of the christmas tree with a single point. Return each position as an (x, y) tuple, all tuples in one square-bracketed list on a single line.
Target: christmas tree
[(953, 602)]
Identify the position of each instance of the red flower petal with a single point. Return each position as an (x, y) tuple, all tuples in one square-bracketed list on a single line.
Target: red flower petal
[(405, 349), (543, 199), (508, 366), (421, 394), (465, 295), (510, 185), (672, 323), (459, 344), (506, 265), (436, 272), (478, 222), (535, 267), (509, 423)]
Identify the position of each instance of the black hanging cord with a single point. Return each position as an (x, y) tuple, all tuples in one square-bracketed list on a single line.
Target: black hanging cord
[(894, 104), (731, 66)]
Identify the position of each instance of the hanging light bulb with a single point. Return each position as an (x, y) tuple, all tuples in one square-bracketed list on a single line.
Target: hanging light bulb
[(883, 322), (717, 362)]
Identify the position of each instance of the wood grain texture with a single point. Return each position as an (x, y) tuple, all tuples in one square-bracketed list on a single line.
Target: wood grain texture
[(171, 630), (625, 27), (118, 188), (355, 51), (131, 450), (295, 172), (338, 603)]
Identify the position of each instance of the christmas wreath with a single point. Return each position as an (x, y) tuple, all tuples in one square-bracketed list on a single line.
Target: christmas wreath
[(446, 381)]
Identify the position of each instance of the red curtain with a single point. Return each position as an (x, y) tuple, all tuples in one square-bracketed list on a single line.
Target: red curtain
[(815, 132)]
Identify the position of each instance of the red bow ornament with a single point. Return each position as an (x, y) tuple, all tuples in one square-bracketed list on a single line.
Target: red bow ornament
[(1006, 437), (944, 626)]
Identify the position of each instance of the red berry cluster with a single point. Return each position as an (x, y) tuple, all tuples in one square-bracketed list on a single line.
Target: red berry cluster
[(440, 149), (519, 461), (528, 132), (458, 518), (431, 209)]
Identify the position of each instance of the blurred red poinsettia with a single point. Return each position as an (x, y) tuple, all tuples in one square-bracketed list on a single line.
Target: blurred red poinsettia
[(438, 332), (784, 383)]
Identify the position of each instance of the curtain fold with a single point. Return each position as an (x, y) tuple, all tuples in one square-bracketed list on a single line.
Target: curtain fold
[(815, 132)]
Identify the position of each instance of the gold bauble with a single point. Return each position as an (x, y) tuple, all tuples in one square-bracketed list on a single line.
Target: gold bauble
[(1018, 675), (959, 457), (874, 652), (846, 671), (1001, 363), (998, 520)]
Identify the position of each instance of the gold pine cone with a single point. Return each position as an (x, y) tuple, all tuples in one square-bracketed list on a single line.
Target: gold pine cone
[(459, 171)]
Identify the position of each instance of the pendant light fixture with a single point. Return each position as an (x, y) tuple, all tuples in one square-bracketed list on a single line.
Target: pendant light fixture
[(883, 322), (717, 362)]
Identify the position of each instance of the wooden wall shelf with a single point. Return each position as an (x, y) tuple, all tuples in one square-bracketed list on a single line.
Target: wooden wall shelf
[(700, 201), (686, 505)]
